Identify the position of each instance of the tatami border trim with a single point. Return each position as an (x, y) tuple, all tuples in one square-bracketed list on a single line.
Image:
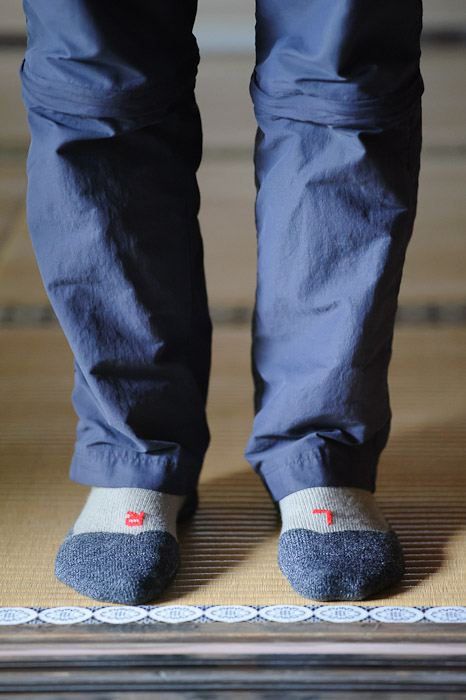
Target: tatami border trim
[(17, 316), (176, 614)]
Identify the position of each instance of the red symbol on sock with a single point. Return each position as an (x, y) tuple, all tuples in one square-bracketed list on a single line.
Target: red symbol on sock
[(133, 519), (329, 514)]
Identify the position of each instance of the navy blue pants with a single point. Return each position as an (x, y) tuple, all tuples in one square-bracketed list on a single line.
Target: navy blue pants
[(116, 141)]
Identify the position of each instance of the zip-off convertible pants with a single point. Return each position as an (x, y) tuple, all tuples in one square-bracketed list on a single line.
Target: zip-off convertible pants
[(112, 211)]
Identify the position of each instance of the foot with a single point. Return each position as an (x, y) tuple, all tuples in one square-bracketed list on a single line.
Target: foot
[(335, 544), (123, 547)]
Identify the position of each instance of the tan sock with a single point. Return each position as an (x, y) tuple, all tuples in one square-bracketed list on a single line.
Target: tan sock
[(331, 509)]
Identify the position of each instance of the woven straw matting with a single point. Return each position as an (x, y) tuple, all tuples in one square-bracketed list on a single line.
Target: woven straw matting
[(229, 547)]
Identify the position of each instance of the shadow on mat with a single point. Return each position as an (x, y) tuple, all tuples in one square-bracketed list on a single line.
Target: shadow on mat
[(235, 516), (421, 489)]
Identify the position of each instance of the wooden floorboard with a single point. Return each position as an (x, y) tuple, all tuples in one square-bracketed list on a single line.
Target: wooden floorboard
[(231, 660)]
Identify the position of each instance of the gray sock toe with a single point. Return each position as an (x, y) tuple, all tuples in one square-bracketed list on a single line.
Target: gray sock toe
[(340, 565), (123, 547), (118, 568)]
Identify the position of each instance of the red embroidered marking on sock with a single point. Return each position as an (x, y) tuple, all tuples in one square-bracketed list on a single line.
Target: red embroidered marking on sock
[(329, 514), (133, 519)]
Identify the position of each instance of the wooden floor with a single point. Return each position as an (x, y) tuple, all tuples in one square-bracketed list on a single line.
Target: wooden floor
[(229, 547)]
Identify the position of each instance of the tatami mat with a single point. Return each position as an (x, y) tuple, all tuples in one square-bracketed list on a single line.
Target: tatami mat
[(229, 547)]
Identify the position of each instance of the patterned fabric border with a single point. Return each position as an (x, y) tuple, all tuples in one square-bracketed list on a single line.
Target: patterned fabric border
[(176, 614)]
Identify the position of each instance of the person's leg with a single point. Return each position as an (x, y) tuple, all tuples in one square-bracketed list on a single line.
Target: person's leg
[(336, 92), (112, 211)]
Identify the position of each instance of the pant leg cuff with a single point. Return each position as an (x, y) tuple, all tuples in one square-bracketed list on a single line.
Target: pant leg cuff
[(310, 473), (102, 466)]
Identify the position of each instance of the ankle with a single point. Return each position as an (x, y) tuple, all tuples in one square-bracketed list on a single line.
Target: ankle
[(327, 509)]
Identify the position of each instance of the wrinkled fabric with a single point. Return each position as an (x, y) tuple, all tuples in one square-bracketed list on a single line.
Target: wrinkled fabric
[(116, 141)]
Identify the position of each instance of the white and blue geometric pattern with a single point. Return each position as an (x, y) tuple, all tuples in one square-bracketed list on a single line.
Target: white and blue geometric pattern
[(178, 614)]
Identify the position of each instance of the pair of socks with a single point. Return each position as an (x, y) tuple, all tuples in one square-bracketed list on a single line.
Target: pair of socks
[(335, 544)]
